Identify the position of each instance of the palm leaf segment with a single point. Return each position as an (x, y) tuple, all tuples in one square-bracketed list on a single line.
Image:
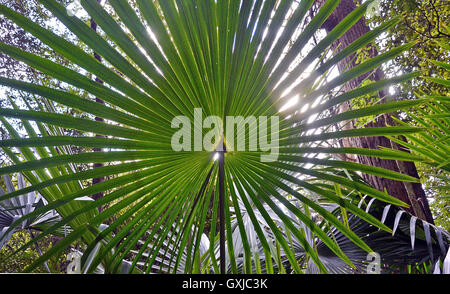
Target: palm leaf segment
[(165, 59), (414, 245), (17, 207)]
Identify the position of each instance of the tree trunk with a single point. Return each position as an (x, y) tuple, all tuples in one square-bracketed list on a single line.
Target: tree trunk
[(410, 193)]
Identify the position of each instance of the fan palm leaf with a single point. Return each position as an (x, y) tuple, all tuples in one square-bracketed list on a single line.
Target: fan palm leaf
[(166, 59), (14, 208), (412, 242)]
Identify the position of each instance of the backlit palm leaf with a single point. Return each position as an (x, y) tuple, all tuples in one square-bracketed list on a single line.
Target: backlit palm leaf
[(164, 59)]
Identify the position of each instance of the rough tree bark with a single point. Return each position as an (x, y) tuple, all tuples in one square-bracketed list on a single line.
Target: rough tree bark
[(410, 193)]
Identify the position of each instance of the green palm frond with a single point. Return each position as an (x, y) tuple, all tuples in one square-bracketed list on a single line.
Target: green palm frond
[(412, 243), (434, 144), (14, 208), (166, 59)]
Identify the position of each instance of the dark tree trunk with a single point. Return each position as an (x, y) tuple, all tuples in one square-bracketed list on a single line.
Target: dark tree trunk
[(410, 193)]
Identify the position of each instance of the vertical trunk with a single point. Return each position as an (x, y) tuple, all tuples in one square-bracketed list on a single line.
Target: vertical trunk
[(412, 194), (99, 119), (222, 210)]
